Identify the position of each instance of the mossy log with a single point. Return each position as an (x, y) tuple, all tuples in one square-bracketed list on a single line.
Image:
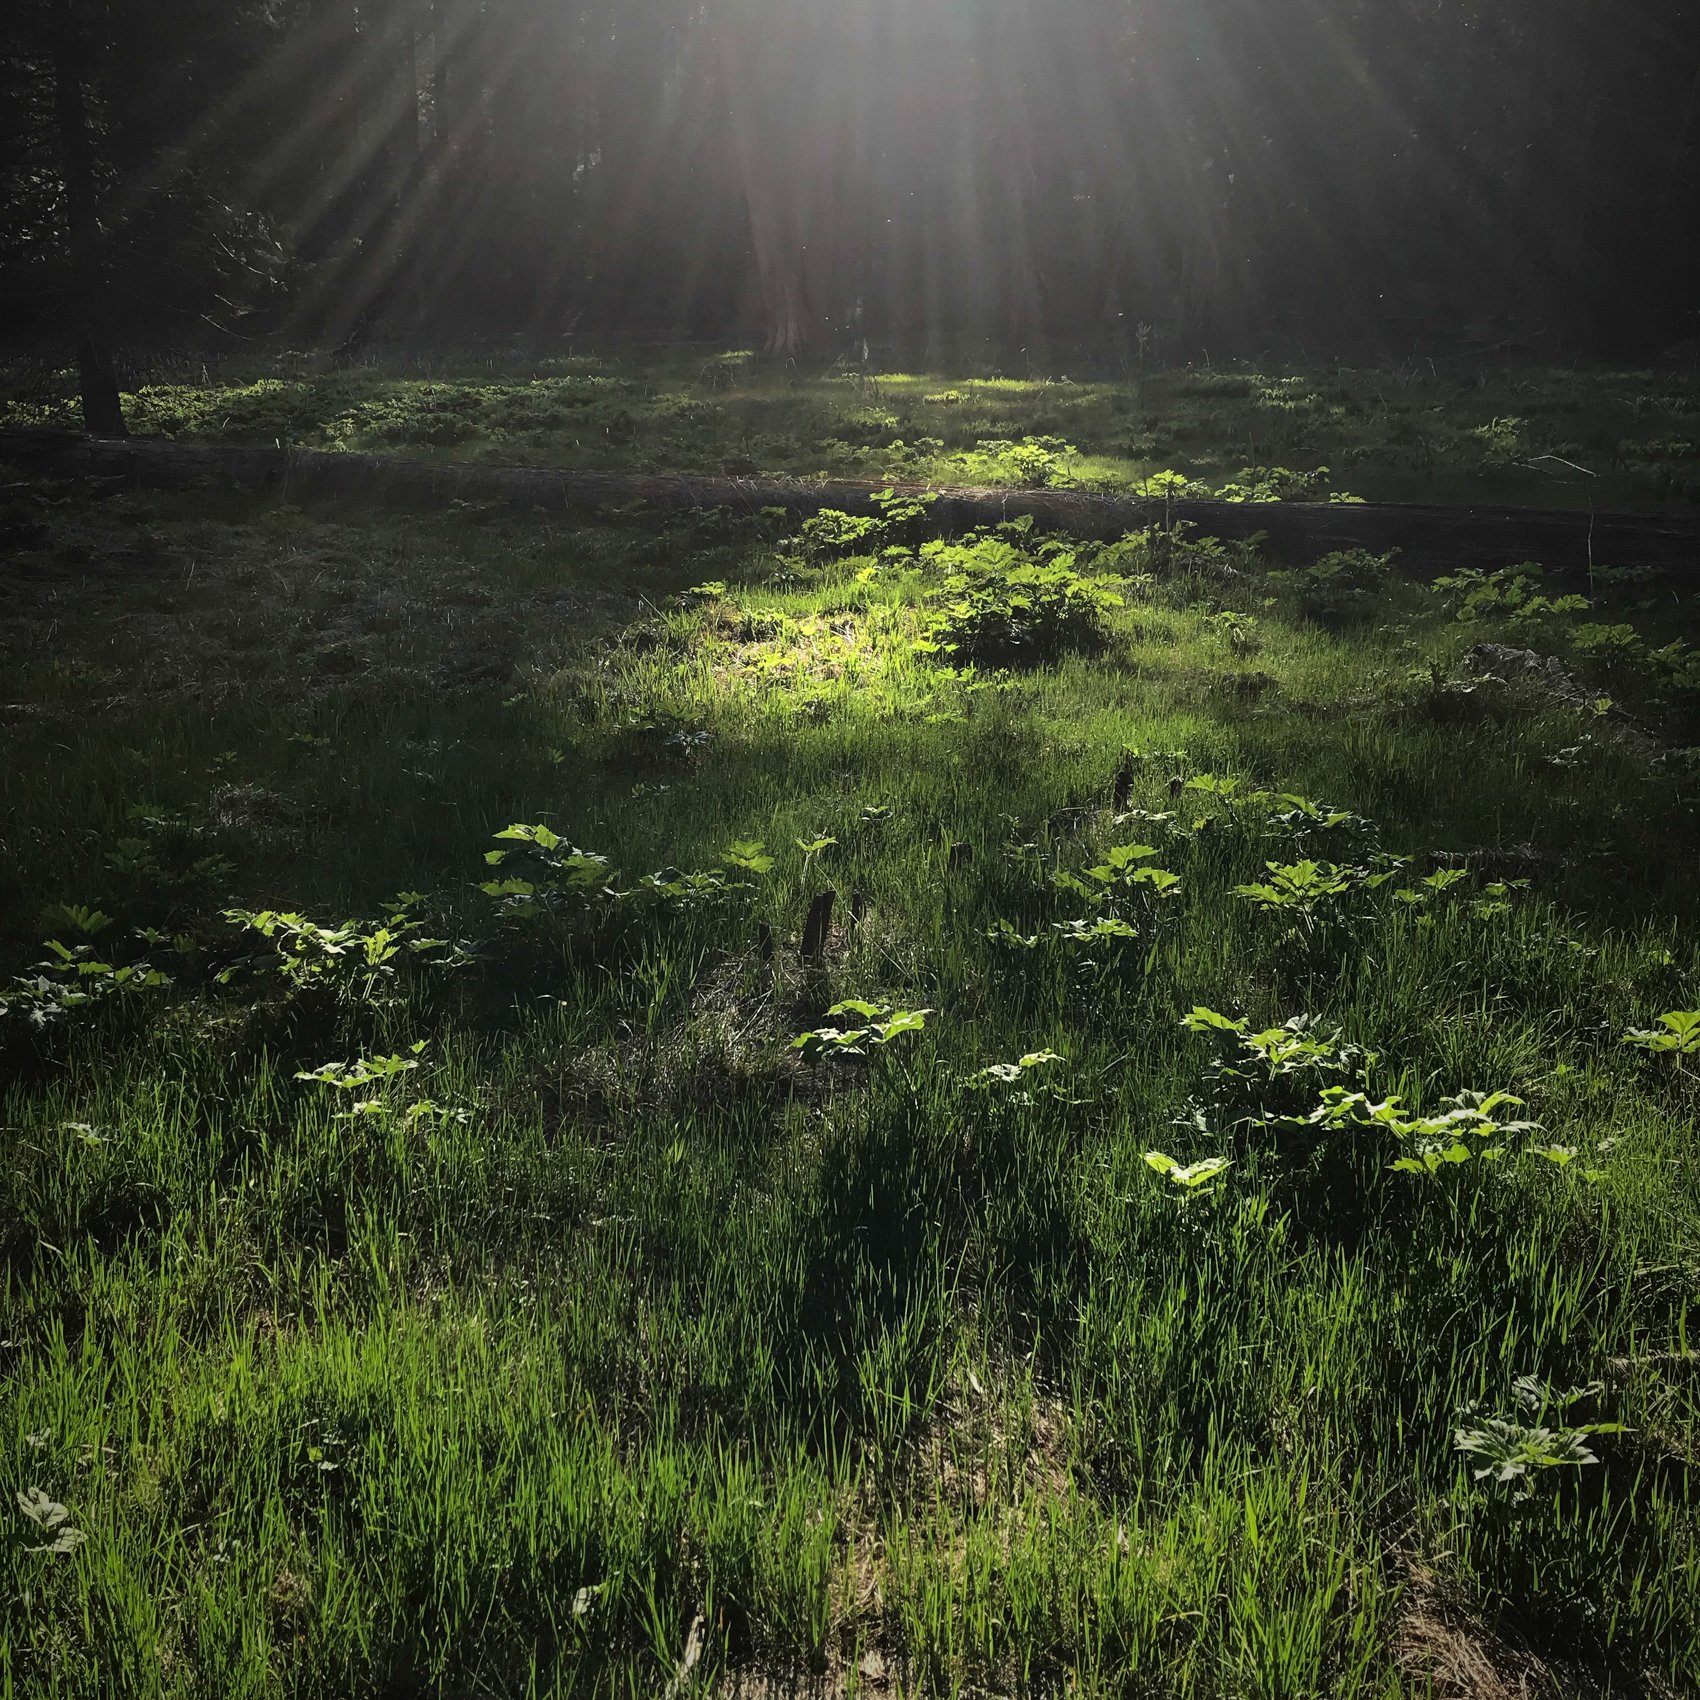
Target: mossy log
[(1435, 538)]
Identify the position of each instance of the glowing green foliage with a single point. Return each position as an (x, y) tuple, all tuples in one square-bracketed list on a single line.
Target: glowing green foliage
[(1677, 1034), (1190, 1177), (881, 1025)]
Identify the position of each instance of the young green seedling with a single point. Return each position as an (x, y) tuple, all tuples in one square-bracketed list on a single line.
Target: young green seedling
[(881, 1025), (1191, 1178), (1677, 1034)]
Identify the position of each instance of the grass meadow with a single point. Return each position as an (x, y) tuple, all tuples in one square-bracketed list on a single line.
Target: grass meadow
[(664, 1107)]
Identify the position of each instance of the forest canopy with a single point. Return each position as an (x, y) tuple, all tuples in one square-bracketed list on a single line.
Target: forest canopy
[(1178, 175)]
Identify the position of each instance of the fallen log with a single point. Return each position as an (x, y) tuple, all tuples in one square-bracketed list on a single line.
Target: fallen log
[(1438, 538)]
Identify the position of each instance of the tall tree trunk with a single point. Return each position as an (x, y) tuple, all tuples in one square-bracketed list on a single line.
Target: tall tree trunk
[(442, 38), (410, 31), (103, 407), (776, 220), (411, 174)]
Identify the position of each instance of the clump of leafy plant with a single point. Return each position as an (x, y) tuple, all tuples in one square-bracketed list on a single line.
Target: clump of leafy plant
[(1431, 892), (1496, 898), (881, 1024), (166, 851), (1312, 894), (1175, 551), (1294, 1096), (363, 1072), (370, 1087), (748, 854), (708, 887), (1238, 631), (353, 961), (681, 891), (1313, 825), (832, 534), (1014, 1082), (1098, 939), (1170, 486), (70, 978), (1124, 874), (1007, 936), (1469, 1128), (1670, 671), (1677, 666), (433, 415), (556, 874), (1676, 1035), (1269, 1080), (710, 590), (1445, 887), (657, 736), (1344, 588), (1032, 462), (906, 516), (1225, 786), (1001, 607), (899, 523), (1126, 890), (1503, 440), (1532, 1439), (890, 456), (1606, 644), (1511, 594), (51, 1521)]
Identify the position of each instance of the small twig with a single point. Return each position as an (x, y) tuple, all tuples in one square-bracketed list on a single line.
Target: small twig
[(1586, 471)]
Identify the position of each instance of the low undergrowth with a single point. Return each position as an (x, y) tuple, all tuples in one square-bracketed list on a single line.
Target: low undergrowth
[(627, 1109), (1570, 438)]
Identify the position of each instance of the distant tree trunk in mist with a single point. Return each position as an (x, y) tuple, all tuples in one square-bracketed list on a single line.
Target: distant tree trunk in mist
[(411, 21), (415, 24), (768, 164), (442, 115), (103, 408)]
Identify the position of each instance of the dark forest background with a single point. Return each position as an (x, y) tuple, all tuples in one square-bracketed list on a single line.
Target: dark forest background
[(1165, 175)]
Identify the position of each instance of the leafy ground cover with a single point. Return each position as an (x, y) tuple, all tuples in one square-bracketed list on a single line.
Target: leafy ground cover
[(625, 1108), (1548, 437)]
